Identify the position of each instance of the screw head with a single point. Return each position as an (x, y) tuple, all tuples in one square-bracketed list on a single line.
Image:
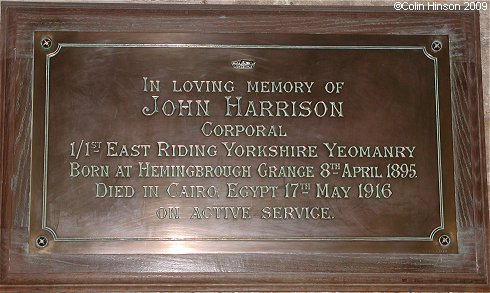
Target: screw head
[(436, 46), (46, 43), (444, 240), (41, 242)]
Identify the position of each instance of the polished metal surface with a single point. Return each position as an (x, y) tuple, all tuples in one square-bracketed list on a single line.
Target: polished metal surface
[(184, 143)]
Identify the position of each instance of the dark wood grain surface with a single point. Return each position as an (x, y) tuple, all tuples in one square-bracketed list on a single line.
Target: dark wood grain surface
[(467, 270)]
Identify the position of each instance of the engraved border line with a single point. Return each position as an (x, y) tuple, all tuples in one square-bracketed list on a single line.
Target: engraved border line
[(238, 46)]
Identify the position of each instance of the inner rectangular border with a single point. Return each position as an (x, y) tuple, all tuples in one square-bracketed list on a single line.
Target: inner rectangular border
[(226, 46)]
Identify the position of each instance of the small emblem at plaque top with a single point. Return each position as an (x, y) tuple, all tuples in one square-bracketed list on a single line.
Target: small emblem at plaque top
[(444, 240), (436, 46), (243, 64), (41, 242)]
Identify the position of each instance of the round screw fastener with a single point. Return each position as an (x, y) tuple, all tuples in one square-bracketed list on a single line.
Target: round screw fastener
[(41, 242), (436, 46), (46, 43), (444, 240)]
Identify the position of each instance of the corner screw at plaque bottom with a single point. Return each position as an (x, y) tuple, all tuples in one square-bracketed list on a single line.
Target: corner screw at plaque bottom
[(444, 240), (41, 242)]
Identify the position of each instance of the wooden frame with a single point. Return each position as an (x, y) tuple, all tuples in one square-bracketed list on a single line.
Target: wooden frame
[(466, 270)]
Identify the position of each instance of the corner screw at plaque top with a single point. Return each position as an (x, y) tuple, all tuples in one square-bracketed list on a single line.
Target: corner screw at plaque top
[(41, 242), (444, 240), (46, 43), (436, 46)]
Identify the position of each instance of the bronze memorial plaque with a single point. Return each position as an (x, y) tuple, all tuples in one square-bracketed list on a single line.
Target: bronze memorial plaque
[(241, 148), (170, 143)]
